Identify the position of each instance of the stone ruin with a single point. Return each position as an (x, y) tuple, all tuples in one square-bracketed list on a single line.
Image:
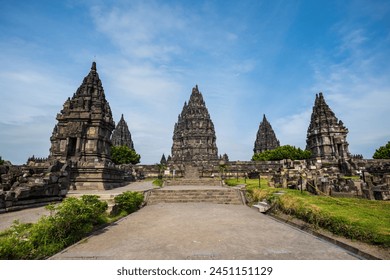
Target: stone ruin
[(326, 135), (82, 137), (266, 138), (121, 135), (79, 154), (194, 147), (34, 184)]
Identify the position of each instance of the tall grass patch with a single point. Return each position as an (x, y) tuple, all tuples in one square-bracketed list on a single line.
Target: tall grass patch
[(359, 219)]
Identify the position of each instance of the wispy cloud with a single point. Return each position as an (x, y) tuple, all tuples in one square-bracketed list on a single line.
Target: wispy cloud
[(246, 57), (357, 87)]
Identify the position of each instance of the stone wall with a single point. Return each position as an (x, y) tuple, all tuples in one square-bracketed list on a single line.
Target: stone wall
[(24, 186)]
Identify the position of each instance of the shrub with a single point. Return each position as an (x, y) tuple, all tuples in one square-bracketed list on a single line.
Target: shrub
[(68, 222), (129, 201), (124, 155), (282, 152), (383, 152), (14, 242)]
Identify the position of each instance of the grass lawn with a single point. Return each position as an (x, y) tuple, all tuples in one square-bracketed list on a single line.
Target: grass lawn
[(360, 219)]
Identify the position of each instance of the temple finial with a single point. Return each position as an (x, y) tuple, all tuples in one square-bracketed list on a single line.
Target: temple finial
[(93, 67)]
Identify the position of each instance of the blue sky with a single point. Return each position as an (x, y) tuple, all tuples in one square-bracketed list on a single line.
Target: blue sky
[(248, 58)]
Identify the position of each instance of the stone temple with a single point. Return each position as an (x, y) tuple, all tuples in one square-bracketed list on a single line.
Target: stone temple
[(326, 135), (82, 135), (121, 135), (266, 138), (194, 140)]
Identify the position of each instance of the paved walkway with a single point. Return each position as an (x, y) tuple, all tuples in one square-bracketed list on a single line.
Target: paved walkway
[(201, 231)]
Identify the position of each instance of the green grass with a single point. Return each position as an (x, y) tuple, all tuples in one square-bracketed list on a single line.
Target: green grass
[(250, 183), (158, 182), (354, 218), (353, 178)]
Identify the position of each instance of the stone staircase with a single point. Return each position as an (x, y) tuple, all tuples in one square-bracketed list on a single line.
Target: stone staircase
[(217, 196), (193, 182)]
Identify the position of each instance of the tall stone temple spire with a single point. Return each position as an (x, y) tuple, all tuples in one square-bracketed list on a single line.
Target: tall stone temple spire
[(121, 135), (266, 138), (326, 135), (194, 139), (84, 124)]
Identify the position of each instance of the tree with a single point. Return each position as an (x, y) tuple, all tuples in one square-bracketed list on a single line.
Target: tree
[(282, 152), (383, 152), (124, 155), (1, 161)]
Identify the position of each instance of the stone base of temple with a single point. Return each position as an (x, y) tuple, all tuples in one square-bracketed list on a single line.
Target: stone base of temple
[(96, 176)]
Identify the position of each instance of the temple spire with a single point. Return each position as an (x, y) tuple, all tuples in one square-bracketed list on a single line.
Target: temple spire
[(194, 139), (84, 124), (121, 135), (326, 135), (266, 138)]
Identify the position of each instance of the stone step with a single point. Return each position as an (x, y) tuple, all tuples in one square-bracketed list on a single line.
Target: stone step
[(225, 196), (193, 182)]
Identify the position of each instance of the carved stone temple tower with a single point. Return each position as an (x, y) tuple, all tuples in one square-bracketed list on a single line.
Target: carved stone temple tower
[(326, 135), (194, 140), (82, 135), (121, 135), (84, 124), (266, 138)]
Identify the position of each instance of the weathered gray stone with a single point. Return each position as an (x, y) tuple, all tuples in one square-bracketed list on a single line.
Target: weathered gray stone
[(326, 135), (194, 140), (121, 135), (84, 124), (266, 138)]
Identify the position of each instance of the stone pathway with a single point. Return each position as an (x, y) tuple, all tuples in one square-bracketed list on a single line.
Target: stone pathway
[(30, 215), (201, 231)]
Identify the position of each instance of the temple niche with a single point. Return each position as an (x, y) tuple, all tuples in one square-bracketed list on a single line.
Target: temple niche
[(194, 140), (121, 135), (82, 136), (266, 138), (326, 135)]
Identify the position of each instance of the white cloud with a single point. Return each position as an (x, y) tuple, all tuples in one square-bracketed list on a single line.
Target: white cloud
[(292, 129)]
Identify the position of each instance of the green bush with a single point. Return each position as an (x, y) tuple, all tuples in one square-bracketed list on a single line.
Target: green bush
[(68, 222), (282, 152), (124, 155), (383, 152), (129, 201)]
